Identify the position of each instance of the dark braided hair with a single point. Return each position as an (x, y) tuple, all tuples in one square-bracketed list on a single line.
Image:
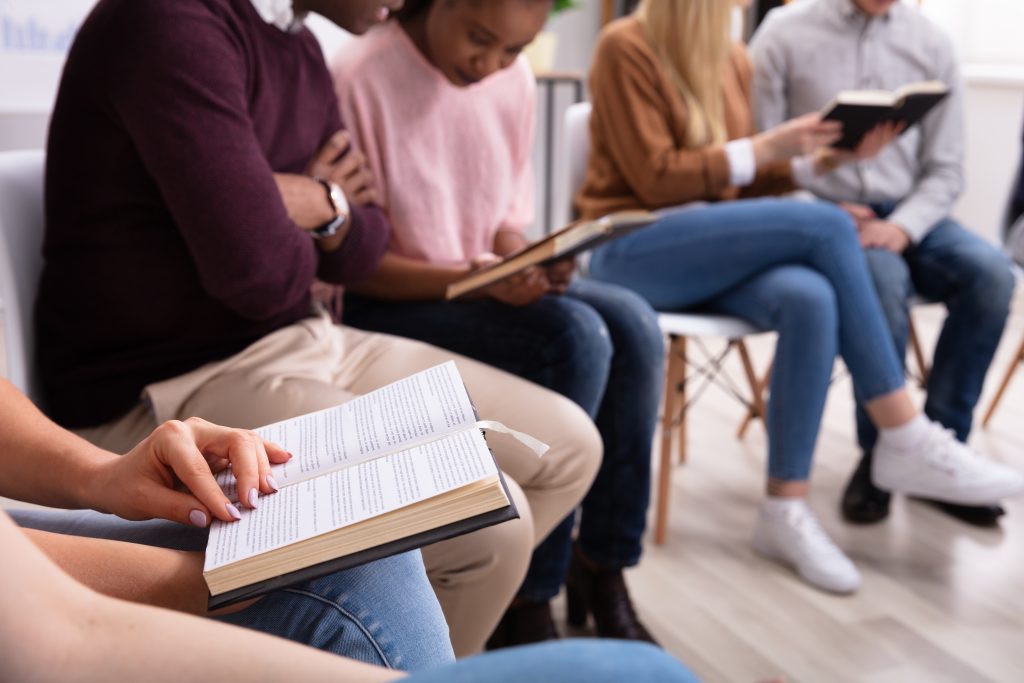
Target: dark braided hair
[(411, 8)]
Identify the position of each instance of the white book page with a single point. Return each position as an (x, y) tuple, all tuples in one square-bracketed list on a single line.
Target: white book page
[(351, 495), (411, 411), (875, 98)]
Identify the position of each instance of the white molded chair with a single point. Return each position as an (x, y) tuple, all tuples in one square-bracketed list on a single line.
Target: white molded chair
[(678, 327), (21, 260)]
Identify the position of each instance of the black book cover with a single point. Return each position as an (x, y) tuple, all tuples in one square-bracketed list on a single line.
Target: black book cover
[(859, 119)]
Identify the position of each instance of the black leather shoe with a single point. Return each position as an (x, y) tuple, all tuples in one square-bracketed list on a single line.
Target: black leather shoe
[(975, 515), (602, 593), (863, 502), (524, 622)]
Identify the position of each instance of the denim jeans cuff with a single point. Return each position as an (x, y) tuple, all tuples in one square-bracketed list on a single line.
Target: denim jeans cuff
[(609, 560), (538, 593)]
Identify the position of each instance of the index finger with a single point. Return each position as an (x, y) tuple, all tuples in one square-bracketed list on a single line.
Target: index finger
[(327, 155), (181, 453), (829, 127), (246, 452), (347, 165), (810, 118)]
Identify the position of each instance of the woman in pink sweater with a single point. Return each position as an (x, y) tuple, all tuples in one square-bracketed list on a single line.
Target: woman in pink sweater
[(442, 104)]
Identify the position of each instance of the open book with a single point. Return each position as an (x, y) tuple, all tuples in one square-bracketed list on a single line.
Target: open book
[(862, 110), (564, 243), (398, 468)]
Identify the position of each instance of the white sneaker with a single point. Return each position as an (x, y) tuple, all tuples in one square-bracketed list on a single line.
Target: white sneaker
[(941, 468), (793, 536)]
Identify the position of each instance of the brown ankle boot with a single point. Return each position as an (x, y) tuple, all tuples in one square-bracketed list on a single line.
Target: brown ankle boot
[(602, 593), (524, 622)]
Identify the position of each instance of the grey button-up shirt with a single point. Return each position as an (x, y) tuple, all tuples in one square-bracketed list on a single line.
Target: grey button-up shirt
[(808, 51)]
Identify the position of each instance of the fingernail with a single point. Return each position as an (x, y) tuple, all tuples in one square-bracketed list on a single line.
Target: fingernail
[(233, 511), (272, 483), (290, 455), (198, 518), (254, 498)]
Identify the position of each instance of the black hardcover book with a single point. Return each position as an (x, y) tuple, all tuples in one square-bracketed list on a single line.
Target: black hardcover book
[(860, 111)]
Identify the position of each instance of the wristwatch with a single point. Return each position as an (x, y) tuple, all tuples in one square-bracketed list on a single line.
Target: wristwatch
[(336, 196)]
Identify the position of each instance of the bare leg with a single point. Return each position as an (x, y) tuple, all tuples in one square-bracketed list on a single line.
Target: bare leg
[(894, 409), (780, 488)]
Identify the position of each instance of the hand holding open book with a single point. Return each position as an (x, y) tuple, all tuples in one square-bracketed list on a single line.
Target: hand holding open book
[(562, 244), (862, 111), (401, 467)]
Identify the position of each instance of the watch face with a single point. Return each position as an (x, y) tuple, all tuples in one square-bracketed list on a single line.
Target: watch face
[(338, 199), (340, 203)]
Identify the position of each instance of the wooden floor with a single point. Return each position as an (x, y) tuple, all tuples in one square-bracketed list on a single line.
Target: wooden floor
[(940, 602)]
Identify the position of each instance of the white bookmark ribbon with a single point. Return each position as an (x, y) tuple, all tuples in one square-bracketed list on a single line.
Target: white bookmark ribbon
[(535, 445)]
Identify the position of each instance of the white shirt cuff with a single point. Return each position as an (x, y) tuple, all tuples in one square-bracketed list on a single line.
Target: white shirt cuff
[(742, 163), (803, 170)]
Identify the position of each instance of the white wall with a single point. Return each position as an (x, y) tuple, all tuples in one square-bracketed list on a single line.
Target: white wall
[(995, 110), (22, 130), (33, 39)]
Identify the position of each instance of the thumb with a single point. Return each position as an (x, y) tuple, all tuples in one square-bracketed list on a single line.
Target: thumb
[(177, 506)]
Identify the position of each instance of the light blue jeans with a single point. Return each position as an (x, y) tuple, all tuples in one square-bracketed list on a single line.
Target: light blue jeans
[(382, 613), (791, 266), (567, 661)]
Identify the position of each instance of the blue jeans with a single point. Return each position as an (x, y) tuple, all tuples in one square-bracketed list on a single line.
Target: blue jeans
[(784, 265), (975, 282), (567, 661), (600, 346), (382, 613)]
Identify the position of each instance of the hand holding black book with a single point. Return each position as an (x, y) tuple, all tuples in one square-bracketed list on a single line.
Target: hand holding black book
[(861, 111)]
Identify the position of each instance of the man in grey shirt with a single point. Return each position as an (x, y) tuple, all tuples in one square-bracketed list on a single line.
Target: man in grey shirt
[(803, 55)]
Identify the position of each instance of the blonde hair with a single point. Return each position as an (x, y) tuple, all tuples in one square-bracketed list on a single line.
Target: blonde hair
[(692, 39)]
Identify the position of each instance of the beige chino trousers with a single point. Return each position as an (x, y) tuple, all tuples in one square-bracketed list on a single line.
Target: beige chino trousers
[(315, 364)]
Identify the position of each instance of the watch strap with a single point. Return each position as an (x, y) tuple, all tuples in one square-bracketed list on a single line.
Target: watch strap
[(337, 199)]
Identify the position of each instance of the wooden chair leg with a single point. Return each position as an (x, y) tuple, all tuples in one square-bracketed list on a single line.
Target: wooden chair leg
[(1017, 360), (756, 397), (915, 344), (675, 376), (759, 391), (679, 378)]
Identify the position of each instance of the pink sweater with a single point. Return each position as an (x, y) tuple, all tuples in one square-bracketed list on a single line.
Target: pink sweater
[(452, 164)]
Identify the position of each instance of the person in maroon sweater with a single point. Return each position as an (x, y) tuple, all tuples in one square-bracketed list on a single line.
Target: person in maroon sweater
[(168, 244), (197, 181)]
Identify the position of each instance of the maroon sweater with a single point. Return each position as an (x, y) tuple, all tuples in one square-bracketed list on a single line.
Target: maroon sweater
[(167, 243)]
